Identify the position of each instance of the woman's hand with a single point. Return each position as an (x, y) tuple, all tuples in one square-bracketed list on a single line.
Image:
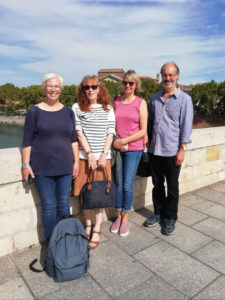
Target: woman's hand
[(92, 163), (102, 160), (124, 148), (146, 141), (75, 169), (117, 144), (27, 172)]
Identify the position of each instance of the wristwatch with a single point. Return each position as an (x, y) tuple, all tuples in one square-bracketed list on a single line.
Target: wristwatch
[(26, 166), (183, 147), (105, 152)]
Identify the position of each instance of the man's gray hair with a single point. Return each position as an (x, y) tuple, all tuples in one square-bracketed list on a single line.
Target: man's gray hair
[(172, 63)]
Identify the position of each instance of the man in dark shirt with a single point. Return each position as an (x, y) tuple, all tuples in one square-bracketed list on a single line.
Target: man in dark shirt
[(170, 127)]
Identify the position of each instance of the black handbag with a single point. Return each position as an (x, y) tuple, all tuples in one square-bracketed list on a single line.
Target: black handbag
[(98, 194), (144, 168)]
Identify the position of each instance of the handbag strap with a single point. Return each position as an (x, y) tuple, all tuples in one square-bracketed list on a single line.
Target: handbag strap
[(91, 176)]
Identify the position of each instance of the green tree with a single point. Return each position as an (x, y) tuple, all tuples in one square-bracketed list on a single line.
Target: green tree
[(68, 96), (31, 95), (9, 110), (221, 98), (205, 98), (113, 88), (149, 88), (8, 92), (196, 97)]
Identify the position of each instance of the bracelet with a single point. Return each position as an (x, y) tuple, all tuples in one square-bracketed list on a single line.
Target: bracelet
[(25, 166)]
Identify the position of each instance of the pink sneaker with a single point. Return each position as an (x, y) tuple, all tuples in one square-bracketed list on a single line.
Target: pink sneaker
[(115, 225), (124, 229)]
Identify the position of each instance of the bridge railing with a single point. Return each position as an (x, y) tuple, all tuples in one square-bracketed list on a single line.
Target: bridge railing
[(20, 209)]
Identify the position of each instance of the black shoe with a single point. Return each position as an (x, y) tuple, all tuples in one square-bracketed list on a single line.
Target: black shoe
[(152, 220), (168, 226)]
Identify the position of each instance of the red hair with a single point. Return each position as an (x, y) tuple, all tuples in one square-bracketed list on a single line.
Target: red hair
[(103, 97)]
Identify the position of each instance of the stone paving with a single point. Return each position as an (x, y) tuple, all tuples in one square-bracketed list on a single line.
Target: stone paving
[(145, 265)]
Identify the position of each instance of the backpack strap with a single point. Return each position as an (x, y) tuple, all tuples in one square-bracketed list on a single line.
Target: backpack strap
[(32, 268)]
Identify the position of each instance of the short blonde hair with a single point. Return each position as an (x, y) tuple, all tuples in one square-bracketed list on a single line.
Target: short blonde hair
[(131, 74), (48, 76)]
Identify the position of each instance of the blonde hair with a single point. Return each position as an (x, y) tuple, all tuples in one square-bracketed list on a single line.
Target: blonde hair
[(48, 76), (131, 74)]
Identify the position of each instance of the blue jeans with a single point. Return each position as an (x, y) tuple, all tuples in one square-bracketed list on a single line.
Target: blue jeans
[(125, 191), (54, 192)]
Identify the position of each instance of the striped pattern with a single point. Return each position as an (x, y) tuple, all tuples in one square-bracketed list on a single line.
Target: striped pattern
[(95, 125)]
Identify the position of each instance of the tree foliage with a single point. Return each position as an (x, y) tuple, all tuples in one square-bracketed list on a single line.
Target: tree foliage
[(221, 98), (31, 95), (68, 96), (8, 92), (149, 88), (208, 98), (114, 88)]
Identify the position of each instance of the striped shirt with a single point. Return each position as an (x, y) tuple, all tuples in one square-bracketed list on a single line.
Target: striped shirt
[(95, 125)]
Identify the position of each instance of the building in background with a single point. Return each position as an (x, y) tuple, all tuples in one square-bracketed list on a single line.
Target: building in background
[(116, 75)]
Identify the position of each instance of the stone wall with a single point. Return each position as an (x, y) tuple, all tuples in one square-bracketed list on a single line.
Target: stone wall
[(20, 217)]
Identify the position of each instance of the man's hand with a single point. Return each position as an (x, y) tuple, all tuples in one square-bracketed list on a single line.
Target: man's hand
[(179, 157)]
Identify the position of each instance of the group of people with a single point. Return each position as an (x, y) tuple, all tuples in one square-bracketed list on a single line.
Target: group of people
[(62, 145)]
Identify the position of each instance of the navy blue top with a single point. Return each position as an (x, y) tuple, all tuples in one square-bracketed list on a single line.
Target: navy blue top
[(50, 134)]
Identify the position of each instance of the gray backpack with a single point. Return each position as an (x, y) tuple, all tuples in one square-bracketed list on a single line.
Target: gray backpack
[(67, 254)]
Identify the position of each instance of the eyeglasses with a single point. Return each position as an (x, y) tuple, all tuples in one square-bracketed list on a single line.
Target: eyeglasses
[(93, 87), (51, 87), (168, 75), (130, 83)]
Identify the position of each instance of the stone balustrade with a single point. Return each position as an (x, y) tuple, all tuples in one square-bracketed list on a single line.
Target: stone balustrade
[(20, 209)]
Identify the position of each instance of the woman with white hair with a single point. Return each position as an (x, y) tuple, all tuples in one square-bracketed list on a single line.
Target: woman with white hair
[(50, 152)]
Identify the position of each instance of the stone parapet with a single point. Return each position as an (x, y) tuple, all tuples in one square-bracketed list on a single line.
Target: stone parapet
[(20, 208)]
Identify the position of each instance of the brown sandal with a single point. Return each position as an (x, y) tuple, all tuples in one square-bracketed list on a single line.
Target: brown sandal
[(88, 235), (94, 243), (100, 233)]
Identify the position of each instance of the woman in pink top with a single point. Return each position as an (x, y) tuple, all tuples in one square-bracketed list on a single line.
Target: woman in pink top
[(131, 126)]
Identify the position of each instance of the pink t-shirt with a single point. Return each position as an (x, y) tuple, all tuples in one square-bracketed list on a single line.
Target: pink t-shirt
[(128, 121)]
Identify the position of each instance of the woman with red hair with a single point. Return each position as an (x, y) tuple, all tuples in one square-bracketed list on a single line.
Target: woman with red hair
[(95, 125)]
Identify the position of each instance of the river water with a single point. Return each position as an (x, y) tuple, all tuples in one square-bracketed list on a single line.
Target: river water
[(10, 135)]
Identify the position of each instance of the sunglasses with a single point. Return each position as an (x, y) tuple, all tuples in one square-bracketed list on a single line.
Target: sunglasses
[(93, 87), (130, 83)]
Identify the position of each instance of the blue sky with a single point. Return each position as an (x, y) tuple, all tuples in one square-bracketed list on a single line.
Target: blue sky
[(76, 38)]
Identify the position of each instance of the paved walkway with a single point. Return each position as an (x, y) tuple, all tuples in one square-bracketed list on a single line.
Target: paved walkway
[(145, 265)]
